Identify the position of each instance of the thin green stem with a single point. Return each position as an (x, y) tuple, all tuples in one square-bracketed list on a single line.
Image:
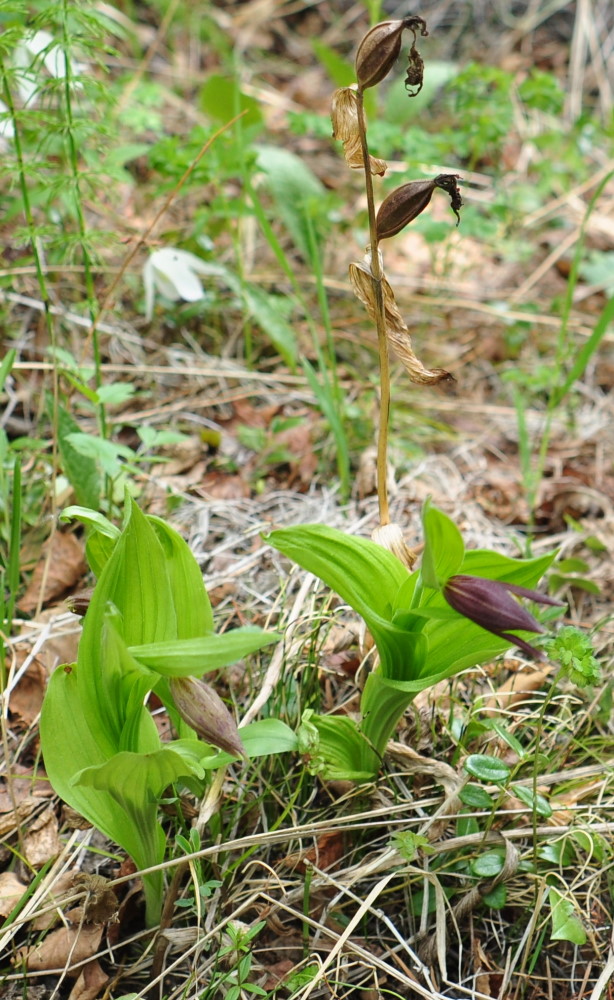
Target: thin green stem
[(73, 159), (42, 284), (380, 320)]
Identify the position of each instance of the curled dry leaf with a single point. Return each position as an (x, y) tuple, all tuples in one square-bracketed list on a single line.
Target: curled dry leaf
[(101, 903), (344, 116), (396, 328)]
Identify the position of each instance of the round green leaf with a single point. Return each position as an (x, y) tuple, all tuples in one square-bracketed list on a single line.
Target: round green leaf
[(487, 865), (486, 768), (475, 797), (497, 898), (535, 803)]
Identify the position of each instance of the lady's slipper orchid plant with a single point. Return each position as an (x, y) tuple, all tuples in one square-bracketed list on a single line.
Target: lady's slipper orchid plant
[(148, 627), (455, 612)]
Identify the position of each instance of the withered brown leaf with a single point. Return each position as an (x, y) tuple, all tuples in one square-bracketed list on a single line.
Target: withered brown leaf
[(396, 328), (344, 116)]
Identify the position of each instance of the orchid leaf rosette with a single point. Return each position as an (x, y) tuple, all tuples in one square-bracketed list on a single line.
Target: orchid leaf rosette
[(459, 610), (148, 627)]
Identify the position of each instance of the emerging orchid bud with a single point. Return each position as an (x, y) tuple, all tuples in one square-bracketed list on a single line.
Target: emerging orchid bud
[(489, 603), (79, 603), (203, 709)]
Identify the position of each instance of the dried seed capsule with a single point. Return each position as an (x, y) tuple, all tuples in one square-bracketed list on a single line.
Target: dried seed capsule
[(407, 202), (379, 49), (402, 206)]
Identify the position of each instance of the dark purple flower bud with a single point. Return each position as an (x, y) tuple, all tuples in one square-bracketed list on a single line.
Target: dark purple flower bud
[(203, 709), (489, 603)]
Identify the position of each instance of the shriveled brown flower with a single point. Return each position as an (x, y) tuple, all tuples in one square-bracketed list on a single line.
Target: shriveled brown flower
[(203, 709), (380, 48), (405, 203), (344, 116), (390, 536), (396, 328)]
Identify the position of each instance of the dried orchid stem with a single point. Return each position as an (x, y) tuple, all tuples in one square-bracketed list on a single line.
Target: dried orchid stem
[(380, 322)]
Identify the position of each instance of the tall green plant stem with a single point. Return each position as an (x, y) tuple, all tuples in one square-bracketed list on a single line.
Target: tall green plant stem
[(42, 284), (380, 321), (73, 159)]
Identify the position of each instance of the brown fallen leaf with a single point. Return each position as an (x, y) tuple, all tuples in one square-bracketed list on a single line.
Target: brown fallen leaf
[(327, 850), (42, 840), (90, 982), (26, 697), (22, 791), (59, 571), (11, 891), (515, 689), (63, 949), (60, 645), (221, 486), (304, 461)]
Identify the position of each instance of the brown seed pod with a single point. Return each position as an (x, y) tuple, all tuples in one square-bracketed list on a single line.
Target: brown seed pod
[(405, 203), (402, 206), (380, 48)]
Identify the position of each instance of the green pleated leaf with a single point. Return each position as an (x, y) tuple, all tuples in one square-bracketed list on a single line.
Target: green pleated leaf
[(363, 573), (444, 548), (190, 599), (134, 783), (194, 657)]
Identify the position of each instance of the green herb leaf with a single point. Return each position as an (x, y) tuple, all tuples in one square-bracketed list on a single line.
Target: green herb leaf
[(566, 924), (486, 768)]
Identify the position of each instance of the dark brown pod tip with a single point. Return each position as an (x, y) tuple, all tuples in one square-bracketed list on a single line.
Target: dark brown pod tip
[(380, 48), (449, 183)]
